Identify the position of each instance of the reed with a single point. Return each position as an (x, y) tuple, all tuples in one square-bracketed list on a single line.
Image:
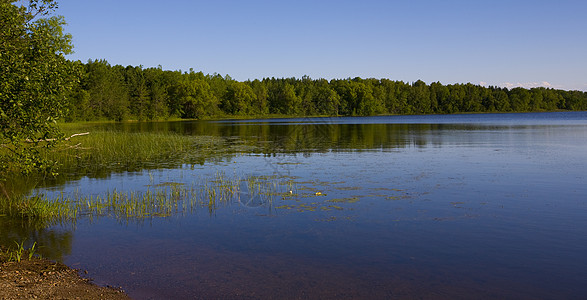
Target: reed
[(162, 200), (130, 150), (39, 210)]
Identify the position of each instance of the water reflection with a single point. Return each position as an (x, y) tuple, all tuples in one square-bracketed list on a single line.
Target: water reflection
[(427, 208), (52, 242), (335, 134)]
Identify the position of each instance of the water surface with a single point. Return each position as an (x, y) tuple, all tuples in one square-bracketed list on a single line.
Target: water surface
[(460, 206)]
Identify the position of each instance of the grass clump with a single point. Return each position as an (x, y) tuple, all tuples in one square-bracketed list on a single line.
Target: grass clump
[(130, 151), (38, 210), (18, 253), (160, 200)]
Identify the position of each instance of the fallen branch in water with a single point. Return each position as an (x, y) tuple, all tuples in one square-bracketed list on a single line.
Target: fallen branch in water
[(52, 140), (77, 134)]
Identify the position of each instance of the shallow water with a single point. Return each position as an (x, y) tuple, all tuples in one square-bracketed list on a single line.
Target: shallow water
[(461, 206)]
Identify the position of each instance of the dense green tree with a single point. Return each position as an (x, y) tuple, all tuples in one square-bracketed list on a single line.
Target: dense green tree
[(327, 100), (139, 94), (35, 78), (156, 94), (419, 98), (403, 91), (282, 97), (575, 100), (170, 82), (520, 99), (502, 102), (292, 103), (260, 104), (552, 100), (440, 93), (306, 91), (218, 84), (487, 100), (365, 102), (473, 101), (79, 108), (108, 92), (197, 99), (157, 107), (346, 94), (456, 99), (239, 99)]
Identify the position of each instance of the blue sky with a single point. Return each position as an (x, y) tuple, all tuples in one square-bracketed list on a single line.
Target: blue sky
[(503, 43)]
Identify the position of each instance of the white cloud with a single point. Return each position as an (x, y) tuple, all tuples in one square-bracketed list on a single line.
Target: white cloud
[(528, 85)]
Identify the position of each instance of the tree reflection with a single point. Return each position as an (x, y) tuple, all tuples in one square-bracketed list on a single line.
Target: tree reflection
[(52, 242)]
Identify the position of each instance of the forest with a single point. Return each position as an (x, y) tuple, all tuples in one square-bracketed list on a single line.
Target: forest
[(106, 92)]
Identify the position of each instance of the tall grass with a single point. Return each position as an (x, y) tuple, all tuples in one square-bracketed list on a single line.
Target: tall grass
[(103, 151), (38, 210), (117, 150), (161, 200)]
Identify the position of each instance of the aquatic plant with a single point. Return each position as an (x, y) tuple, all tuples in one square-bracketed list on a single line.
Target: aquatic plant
[(38, 209), (118, 150), (207, 194), (18, 253), (159, 200)]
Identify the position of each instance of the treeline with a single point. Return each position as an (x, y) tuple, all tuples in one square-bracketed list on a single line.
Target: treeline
[(119, 93)]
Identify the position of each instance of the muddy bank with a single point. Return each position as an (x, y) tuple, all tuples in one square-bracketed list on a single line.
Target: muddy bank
[(43, 279)]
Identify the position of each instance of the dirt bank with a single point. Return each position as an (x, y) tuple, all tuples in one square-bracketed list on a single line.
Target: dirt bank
[(43, 279)]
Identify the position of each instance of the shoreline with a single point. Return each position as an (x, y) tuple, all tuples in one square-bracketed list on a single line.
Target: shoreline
[(40, 278)]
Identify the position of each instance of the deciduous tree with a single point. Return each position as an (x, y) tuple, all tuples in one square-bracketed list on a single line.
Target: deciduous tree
[(35, 76)]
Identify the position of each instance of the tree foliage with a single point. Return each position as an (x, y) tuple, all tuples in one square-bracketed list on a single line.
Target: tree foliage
[(34, 82), (163, 94)]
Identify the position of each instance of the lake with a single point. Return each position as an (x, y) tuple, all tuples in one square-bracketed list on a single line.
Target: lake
[(488, 206)]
